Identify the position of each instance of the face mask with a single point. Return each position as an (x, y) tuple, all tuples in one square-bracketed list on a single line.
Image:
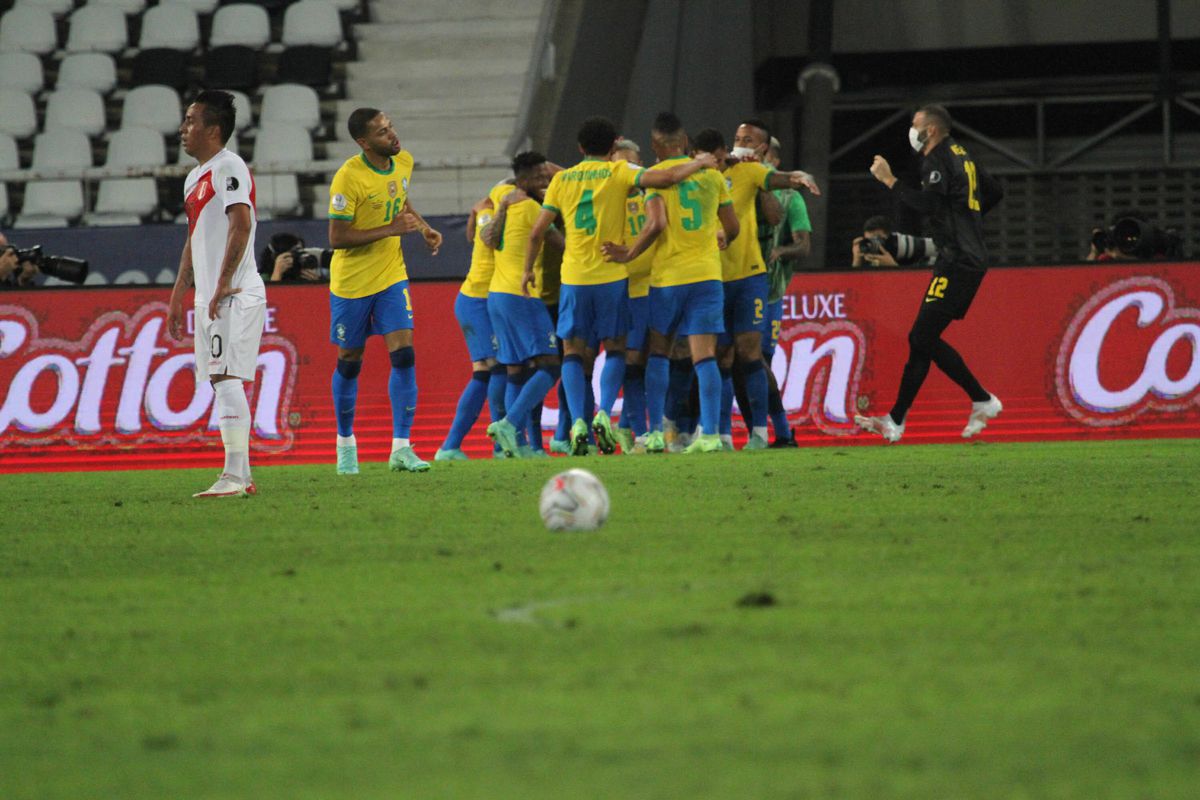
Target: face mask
[(742, 152), (916, 139)]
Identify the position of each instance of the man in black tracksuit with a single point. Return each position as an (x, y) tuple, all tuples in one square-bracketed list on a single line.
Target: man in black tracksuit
[(955, 193)]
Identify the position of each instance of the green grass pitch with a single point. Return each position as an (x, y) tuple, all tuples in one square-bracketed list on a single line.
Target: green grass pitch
[(982, 621)]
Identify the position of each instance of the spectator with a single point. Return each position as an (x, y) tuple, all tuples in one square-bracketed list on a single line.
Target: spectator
[(879, 246)]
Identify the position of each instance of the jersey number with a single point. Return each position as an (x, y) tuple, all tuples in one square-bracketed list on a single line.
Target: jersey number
[(585, 219), (937, 289), (758, 309), (972, 183), (392, 209), (216, 345), (636, 223), (407, 301), (691, 205)]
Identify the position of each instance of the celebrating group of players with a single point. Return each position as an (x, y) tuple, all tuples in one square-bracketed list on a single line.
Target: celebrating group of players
[(676, 270), (608, 253)]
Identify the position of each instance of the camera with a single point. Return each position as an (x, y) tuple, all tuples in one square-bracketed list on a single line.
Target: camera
[(905, 248), (65, 268), (314, 258), (871, 245), (1138, 238)]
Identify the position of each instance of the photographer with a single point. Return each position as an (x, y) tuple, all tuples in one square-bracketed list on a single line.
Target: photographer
[(18, 268), (1132, 238), (14, 273), (880, 247), (286, 258)]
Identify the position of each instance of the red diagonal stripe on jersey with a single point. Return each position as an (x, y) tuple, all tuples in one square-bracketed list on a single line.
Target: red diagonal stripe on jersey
[(198, 198)]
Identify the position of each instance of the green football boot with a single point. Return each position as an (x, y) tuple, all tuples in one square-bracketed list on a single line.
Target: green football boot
[(579, 438), (504, 434), (624, 437), (450, 455), (655, 442), (406, 460), (755, 443), (602, 427), (347, 459), (560, 446), (705, 443)]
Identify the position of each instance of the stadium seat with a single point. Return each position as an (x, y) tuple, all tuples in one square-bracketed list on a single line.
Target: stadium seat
[(154, 107), (96, 71), (199, 6), (97, 29), (162, 65), (126, 6), (55, 7), (8, 160), (52, 204), (307, 64), (21, 71), (241, 24), (279, 195), (245, 115), (312, 22), (345, 5), (18, 117), (28, 29), (290, 104), (124, 201), (170, 26), (74, 108), (232, 66)]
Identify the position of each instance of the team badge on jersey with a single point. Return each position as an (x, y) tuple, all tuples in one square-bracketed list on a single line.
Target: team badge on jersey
[(231, 184), (391, 188), (404, 183), (729, 183), (201, 190), (339, 202), (935, 177), (633, 207)]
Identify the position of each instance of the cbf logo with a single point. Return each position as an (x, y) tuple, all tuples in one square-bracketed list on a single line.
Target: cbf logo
[(392, 188), (341, 332)]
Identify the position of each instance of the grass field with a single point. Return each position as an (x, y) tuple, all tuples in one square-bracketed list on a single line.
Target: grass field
[(987, 621)]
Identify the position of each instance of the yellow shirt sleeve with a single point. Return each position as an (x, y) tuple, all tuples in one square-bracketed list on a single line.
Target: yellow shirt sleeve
[(342, 196)]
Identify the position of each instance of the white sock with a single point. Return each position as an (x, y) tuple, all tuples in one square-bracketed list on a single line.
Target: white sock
[(233, 418), (398, 443), (347, 441), (760, 432)]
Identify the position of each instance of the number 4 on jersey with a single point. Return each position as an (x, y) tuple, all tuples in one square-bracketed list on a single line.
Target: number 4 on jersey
[(585, 218)]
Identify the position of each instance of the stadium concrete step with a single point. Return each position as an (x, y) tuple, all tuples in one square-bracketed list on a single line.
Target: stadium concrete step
[(411, 11)]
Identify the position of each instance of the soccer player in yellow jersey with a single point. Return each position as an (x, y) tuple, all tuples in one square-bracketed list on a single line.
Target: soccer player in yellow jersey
[(744, 271), (368, 283), (633, 411), (686, 296), (593, 300), (522, 323)]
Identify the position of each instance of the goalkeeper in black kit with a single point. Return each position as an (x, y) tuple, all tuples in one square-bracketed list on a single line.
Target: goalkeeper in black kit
[(955, 193)]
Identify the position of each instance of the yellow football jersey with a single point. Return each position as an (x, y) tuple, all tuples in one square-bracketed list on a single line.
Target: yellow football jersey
[(483, 258), (591, 198), (368, 198), (511, 249), (687, 250), (639, 268), (743, 257)]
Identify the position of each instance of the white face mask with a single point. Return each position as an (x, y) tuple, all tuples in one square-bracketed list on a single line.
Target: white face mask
[(742, 152), (916, 139)]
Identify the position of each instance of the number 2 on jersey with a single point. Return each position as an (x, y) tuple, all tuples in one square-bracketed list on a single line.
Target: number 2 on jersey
[(585, 218)]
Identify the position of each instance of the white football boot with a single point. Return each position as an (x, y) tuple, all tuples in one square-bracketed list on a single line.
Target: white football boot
[(980, 414), (884, 426), (228, 486)]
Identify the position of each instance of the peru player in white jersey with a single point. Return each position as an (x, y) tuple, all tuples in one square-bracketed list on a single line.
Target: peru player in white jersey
[(218, 259)]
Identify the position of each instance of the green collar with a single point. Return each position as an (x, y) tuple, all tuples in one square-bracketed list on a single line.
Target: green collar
[(376, 170)]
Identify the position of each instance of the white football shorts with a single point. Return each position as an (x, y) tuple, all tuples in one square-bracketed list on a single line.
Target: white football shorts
[(228, 345)]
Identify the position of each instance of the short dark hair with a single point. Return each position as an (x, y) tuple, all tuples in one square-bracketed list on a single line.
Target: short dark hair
[(360, 118), (755, 122), (709, 140), (596, 136), (217, 109), (877, 222), (939, 115), (524, 163), (667, 124)]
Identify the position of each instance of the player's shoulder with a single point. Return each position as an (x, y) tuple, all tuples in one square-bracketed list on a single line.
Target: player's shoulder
[(404, 161)]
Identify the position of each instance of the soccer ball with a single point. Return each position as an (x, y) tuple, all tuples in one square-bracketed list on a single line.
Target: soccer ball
[(574, 500)]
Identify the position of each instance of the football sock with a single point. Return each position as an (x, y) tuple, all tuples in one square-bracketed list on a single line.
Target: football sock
[(347, 441), (400, 441), (658, 381), (470, 404), (535, 428), (923, 340), (576, 386), (497, 383), (708, 376), (345, 394), (533, 392), (950, 362), (740, 397), (634, 412), (589, 405), (402, 391), (611, 379), (233, 415), (563, 429), (726, 423), (678, 388), (756, 389), (779, 420), (514, 415)]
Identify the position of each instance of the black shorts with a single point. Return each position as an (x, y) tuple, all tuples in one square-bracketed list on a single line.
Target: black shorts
[(952, 289)]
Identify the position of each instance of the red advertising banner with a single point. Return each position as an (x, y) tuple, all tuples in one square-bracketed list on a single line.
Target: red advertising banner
[(89, 379)]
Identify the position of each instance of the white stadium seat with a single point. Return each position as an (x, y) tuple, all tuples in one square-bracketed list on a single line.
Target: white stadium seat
[(21, 71), (279, 194), (244, 116), (97, 29), (8, 160), (124, 201), (291, 104), (52, 204), (18, 116), (95, 71), (55, 7), (172, 26), (154, 107), (28, 29), (81, 109), (241, 24), (312, 22)]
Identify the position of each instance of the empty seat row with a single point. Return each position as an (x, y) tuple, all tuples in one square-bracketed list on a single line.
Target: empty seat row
[(171, 25), (156, 107), (123, 201)]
